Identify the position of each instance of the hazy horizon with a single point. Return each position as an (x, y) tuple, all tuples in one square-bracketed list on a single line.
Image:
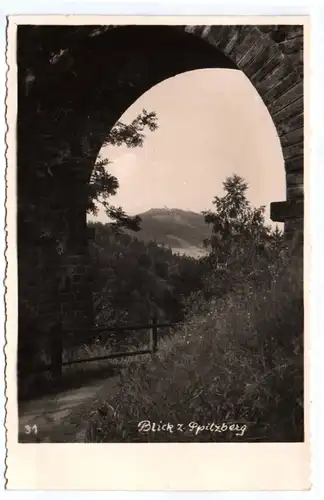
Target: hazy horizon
[(211, 124)]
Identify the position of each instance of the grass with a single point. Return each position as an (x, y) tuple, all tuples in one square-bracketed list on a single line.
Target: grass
[(233, 373)]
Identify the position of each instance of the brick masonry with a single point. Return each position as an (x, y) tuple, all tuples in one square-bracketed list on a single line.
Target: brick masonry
[(56, 278)]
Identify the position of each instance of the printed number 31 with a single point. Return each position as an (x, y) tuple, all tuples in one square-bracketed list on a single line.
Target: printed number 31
[(31, 429)]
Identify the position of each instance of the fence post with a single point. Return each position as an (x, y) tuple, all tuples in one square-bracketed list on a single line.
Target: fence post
[(154, 336), (56, 352)]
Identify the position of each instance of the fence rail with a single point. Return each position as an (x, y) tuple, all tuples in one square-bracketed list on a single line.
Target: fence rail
[(121, 328), (57, 335)]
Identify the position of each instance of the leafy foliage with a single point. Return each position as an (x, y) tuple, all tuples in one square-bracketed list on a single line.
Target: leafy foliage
[(235, 223), (242, 244), (102, 184), (135, 280)]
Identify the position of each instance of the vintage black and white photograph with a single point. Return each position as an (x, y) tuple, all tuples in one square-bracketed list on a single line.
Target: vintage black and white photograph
[(160, 230)]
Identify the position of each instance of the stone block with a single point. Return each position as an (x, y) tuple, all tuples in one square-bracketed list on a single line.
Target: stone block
[(289, 127), (293, 109), (294, 150), (292, 45), (262, 77), (254, 54), (244, 39), (194, 29), (264, 57), (235, 44), (272, 78), (219, 35), (294, 164), (291, 139), (295, 192), (280, 87), (284, 210), (290, 96), (295, 179)]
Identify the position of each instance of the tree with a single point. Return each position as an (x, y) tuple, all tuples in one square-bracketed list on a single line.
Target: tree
[(242, 244), (135, 280), (235, 223), (102, 184)]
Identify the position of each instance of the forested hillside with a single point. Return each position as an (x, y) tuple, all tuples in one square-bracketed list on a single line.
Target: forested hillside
[(136, 280), (181, 230)]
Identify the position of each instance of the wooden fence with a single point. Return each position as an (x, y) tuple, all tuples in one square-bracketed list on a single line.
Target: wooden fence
[(58, 334)]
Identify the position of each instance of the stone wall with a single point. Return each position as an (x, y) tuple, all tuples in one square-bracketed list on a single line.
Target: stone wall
[(75, 100)]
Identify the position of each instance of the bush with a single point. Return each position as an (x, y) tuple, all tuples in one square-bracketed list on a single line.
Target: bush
[(240, 361)]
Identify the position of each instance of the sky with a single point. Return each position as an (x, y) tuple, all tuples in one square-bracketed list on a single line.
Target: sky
[(212, 123)]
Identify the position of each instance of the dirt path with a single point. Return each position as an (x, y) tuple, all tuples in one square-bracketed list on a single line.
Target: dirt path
[(62, 418)]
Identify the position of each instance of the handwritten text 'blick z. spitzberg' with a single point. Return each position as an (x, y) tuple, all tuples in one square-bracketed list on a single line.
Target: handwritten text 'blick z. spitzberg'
[(194, 427)]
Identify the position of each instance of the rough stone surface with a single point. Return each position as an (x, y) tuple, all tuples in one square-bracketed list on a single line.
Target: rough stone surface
[(137, 58)]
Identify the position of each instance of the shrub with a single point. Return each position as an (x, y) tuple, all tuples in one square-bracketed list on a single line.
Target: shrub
[(240, 360)]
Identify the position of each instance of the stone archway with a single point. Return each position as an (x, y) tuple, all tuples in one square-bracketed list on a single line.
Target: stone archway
[(73, 85), (279, 81)]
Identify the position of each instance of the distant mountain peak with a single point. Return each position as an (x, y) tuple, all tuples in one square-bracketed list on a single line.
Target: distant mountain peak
[(165, 209), (182, 230)]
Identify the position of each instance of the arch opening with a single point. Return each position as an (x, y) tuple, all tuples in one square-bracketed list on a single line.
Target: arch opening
[(70, 98), (212, 124)]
